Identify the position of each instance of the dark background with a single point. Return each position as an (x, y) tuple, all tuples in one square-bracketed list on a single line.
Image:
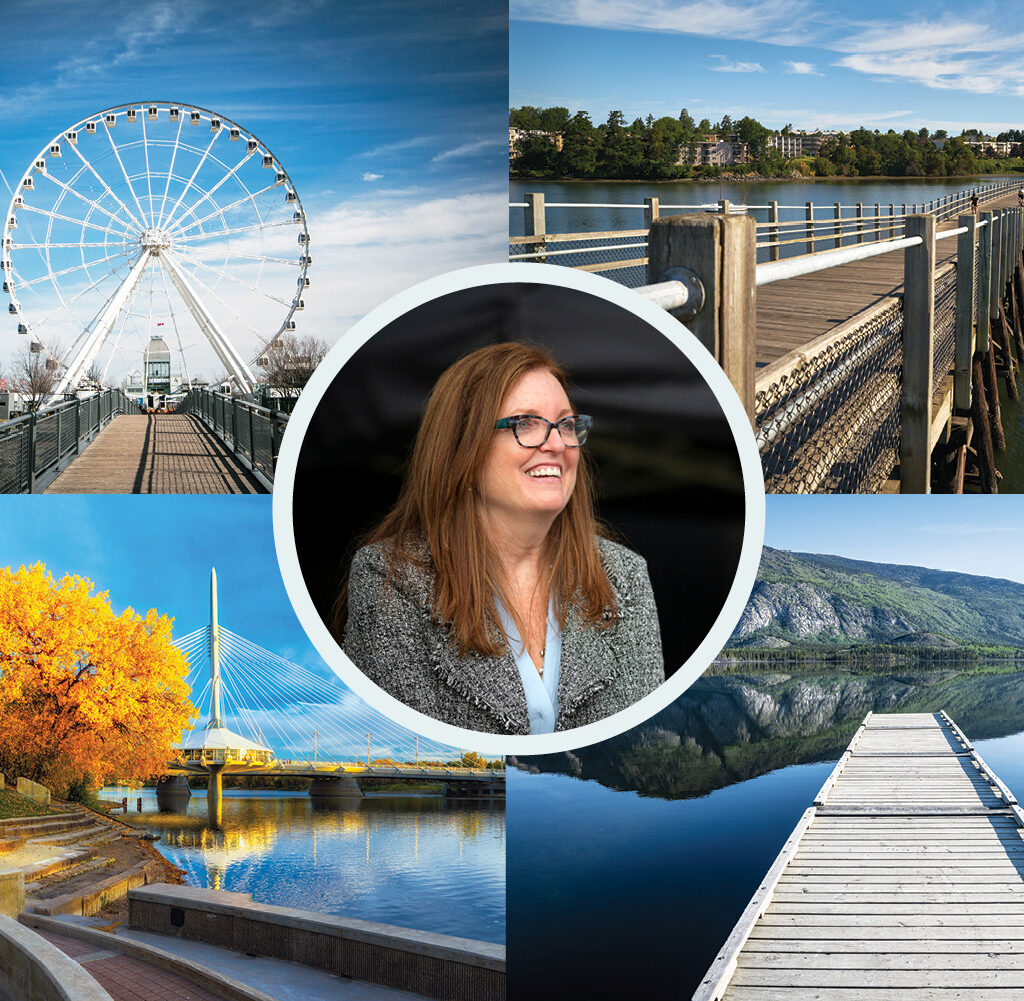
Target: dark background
[(667, 473)]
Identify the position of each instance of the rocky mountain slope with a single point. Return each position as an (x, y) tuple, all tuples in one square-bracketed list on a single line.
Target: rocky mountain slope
[(806, 598)]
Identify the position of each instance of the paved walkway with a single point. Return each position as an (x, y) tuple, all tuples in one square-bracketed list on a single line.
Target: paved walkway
[(280, 980), (155, 454), (125, 978)]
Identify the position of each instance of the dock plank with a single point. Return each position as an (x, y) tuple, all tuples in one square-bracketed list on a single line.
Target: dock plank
[(906, 879)]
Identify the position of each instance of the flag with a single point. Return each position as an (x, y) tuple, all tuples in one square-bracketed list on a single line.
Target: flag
[(159, 324)]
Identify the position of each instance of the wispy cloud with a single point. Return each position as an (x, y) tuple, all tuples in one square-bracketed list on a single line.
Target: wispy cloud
[(801, 68), (372, 177), (727, 65), (469, 149), (783, 22)]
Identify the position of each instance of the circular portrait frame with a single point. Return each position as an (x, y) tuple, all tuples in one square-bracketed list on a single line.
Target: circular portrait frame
[(746, 451)]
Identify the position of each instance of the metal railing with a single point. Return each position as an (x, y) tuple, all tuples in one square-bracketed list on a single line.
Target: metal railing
[(811, 229), (253, 433), (36, 447), (838, 413)]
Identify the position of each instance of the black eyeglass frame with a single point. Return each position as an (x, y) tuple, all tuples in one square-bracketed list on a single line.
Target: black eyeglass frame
[(581, 425)]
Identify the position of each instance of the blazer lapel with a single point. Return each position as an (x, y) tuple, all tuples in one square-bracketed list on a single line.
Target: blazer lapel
[(588, 664), (492, 683)]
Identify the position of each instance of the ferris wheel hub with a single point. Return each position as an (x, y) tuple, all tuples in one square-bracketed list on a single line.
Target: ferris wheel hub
[(155, 239)]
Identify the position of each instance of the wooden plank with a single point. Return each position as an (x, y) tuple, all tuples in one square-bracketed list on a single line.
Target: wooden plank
[(905, 882)]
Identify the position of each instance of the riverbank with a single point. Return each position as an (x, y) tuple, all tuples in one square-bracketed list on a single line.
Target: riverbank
[(762, 179)]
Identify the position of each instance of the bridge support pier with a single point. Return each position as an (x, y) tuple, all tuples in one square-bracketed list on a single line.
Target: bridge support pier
[(341, 787), (172, 793)]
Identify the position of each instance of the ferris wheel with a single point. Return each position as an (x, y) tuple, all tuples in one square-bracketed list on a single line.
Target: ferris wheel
[(154, 222)]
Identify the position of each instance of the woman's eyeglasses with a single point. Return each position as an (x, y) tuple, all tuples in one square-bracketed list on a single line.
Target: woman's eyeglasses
[(532, 431)]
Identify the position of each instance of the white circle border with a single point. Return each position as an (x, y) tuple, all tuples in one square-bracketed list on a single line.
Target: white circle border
[(457, 281)]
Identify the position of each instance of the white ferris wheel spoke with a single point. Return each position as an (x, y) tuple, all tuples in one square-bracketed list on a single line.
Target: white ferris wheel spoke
[(77, 267), (170, 171), (237, 229), (88, 201), (127, 179), (174, 324), (55, 246), (251, 197), (238, 316), (192, 251), (106, 187), (76, 222), (227, 177), (149, 175), (66, 304), (125, 313), (233, 278), (170, 215)]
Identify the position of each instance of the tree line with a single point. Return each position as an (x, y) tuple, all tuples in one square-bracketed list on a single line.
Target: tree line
[(647, 149)]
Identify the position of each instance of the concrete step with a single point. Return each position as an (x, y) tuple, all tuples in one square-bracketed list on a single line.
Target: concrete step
[(89, 895), (59, 872), (76, 835), (31, 827), (9, 844)]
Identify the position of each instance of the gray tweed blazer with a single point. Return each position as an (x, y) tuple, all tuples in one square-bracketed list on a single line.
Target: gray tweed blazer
[(392, 638)]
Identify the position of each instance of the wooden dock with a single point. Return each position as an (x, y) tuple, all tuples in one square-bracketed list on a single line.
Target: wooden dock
[(792, 313), (155, 454), (904, 880)]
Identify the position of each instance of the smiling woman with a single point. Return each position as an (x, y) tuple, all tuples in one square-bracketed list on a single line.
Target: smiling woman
[(436, 508), (488, 598)]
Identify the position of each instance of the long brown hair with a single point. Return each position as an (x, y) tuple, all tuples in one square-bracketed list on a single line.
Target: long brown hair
[(439, 505)]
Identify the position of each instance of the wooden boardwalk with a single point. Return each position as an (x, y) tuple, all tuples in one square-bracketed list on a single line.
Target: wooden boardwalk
[(905, 880), (792, 313), (155, 454)]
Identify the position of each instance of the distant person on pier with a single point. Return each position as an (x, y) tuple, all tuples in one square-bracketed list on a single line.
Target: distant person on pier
[(489, 597), (974, 202), (1020, 196)]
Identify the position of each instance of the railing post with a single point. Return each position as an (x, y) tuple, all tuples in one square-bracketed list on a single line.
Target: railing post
[(78, 427), (773, 231), (918, 337), (905, 219), (535, 221), (252, 440), (860, 222), (721, 251), (32, 453), (723, 205), (878, 222), (892, 221), (837, 214), (651, 211), (809, 213), (995, 267), (963, 351), (981, 306)]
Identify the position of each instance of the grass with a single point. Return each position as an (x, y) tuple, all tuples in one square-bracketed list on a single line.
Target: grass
[(13, 805)]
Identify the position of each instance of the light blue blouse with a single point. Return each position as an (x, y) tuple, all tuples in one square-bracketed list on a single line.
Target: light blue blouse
[(541, 690)]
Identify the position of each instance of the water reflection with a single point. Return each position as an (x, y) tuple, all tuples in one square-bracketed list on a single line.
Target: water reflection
[(731, 727), (418, 861)]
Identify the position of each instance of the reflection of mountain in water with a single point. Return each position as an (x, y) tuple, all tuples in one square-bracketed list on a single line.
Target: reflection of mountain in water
[(731, 728)]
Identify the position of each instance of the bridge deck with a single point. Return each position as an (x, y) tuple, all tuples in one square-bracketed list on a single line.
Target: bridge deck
[(903, 881), (155, 454), (793, 312)]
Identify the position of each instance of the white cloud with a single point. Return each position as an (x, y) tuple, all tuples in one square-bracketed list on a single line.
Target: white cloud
[(780, 21), (727, 65), (468, 149), (372, 177), (801, 69)]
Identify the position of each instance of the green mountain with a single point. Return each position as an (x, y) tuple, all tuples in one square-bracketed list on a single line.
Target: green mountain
[(813, 599)]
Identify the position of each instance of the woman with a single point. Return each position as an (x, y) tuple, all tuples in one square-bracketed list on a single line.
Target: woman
[(487, 598)]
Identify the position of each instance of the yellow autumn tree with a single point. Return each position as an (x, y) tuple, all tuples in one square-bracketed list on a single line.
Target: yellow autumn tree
[(84, 692)]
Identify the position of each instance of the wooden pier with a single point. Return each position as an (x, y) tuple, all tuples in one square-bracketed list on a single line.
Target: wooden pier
[(156, 453), (904, 880)]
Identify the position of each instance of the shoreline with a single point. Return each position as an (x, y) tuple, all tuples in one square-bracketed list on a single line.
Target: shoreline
[(746, 179)]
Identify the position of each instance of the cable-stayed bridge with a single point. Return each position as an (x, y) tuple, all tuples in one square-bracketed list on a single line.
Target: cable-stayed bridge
[(266, 715)]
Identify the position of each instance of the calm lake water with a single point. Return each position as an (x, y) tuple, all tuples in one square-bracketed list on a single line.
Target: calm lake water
[(791, 196), (414, 861), (618, 888)]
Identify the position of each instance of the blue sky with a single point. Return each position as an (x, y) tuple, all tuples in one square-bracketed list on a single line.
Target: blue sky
[(387, 116), (971, 534), (811, 63), (156, 552)]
